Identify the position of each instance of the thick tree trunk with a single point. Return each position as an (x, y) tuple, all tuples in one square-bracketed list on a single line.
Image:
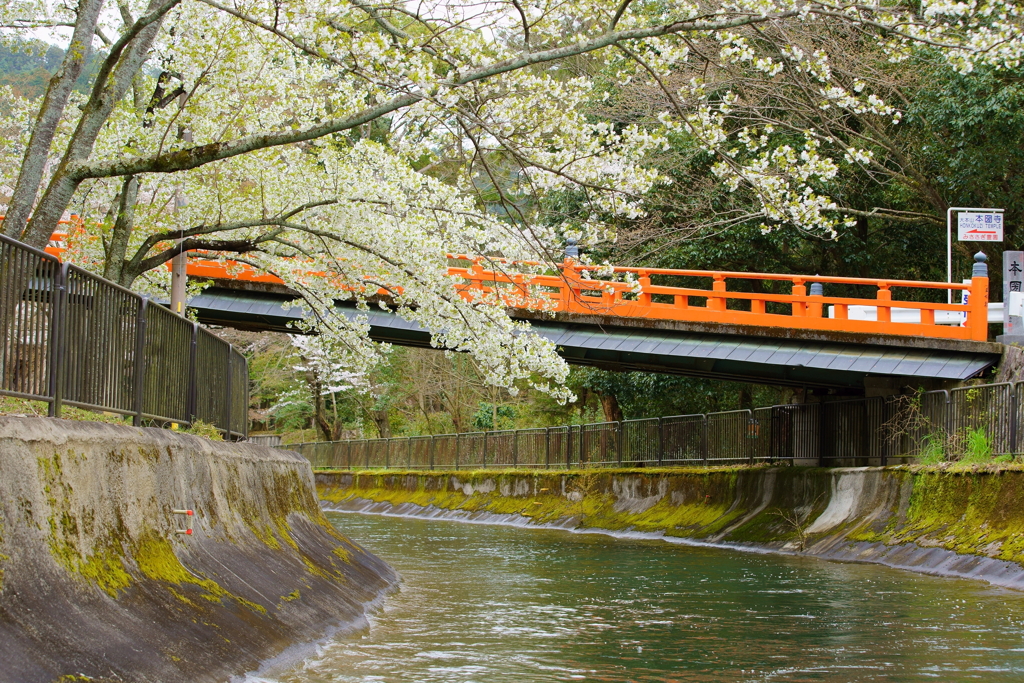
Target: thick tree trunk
[(581, 401), (319, 418), (610, 405), (746, 401), (50, 111), (381, 421), (107, 92), (117, 248)]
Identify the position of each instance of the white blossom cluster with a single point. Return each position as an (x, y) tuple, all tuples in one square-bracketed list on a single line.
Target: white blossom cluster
[(358, 143)]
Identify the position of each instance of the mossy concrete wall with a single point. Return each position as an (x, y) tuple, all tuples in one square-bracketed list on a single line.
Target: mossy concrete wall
[(96, 585), (960, 523)]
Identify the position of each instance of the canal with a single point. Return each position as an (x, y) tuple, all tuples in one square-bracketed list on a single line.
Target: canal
[(492, 604)]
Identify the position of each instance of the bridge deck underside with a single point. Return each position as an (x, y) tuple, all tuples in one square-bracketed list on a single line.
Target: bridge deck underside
[(781, 361)]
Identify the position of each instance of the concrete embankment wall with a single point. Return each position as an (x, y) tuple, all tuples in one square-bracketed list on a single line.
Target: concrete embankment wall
[(96, 585), (963, 523)]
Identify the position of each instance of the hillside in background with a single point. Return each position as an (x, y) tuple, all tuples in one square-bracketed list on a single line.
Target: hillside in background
[(26, 66)]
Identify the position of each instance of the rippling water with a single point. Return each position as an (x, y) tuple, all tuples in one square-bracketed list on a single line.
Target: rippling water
[(488, 604)]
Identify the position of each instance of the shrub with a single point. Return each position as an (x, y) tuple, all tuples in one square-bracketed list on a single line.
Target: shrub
[(978, 447), (934, 450), (204, 429)]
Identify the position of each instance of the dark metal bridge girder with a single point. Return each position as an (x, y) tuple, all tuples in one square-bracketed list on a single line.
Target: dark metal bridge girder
[(765, 360)]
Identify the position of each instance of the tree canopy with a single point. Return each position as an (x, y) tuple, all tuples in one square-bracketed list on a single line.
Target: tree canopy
[(369, 139)]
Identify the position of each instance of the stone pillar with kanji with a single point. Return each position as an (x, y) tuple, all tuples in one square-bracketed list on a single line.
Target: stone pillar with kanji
[(1013, 298)]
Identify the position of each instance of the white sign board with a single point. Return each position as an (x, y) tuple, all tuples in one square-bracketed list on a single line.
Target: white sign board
[(980, 227)]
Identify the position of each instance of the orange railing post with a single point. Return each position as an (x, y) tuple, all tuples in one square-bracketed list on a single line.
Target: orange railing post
[(799, 290), (572, 289), (645, 284), (884, 295), (717, 303)]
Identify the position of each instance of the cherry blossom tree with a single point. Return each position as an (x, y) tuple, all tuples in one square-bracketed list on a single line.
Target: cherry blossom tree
[(366, 139)]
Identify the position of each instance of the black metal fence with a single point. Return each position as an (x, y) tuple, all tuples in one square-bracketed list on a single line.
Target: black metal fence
[(72, 338), (854, 432)]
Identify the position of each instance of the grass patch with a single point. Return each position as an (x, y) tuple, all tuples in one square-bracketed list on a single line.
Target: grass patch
[(977, 448)]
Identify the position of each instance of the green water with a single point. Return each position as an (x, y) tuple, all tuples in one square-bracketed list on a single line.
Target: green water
[(489, 604)]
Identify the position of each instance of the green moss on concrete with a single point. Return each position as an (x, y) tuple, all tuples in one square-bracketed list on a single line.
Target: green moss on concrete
[(968, 512), (286, 494), (584, 496), (104, 566), (343, 553), (977, 511), (155, 558)]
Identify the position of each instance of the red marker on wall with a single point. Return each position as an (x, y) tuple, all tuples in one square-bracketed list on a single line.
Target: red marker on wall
[(189, 514)]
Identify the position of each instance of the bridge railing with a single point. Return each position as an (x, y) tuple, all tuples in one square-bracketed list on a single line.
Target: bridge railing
[(648, 293), (72, 338), (755, 300), (978, 421)]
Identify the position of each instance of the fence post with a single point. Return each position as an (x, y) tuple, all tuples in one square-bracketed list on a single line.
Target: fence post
[(193, 371), (431, 451), (704, 440), (244, 398), (1013, 419), (618, 442), (59, 304), (568, 447), (547, 448), (483, 463), (140, 361), (582, 446), (515, 448), (869, 433), (457, 449), (661, 442), (227, 402), (950, 416), (821, 434), (749, 442)]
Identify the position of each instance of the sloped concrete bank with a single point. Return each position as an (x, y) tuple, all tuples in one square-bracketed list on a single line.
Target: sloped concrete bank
[(95, 583), (957, 523)]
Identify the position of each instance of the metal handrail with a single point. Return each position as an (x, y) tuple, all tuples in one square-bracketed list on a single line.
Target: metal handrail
[(94, 344), (856, 431)]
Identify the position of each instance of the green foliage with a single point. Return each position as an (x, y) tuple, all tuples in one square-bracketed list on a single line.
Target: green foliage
[(484, 417), (975, 129), (26, 66), (647, 394), (977, 447), (205, 430), (934, 449), (963, 137)]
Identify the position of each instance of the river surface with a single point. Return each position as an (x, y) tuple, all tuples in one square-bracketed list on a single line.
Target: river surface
[(490, 604)]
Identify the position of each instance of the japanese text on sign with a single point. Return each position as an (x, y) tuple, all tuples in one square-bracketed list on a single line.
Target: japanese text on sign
[(980, 227)]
